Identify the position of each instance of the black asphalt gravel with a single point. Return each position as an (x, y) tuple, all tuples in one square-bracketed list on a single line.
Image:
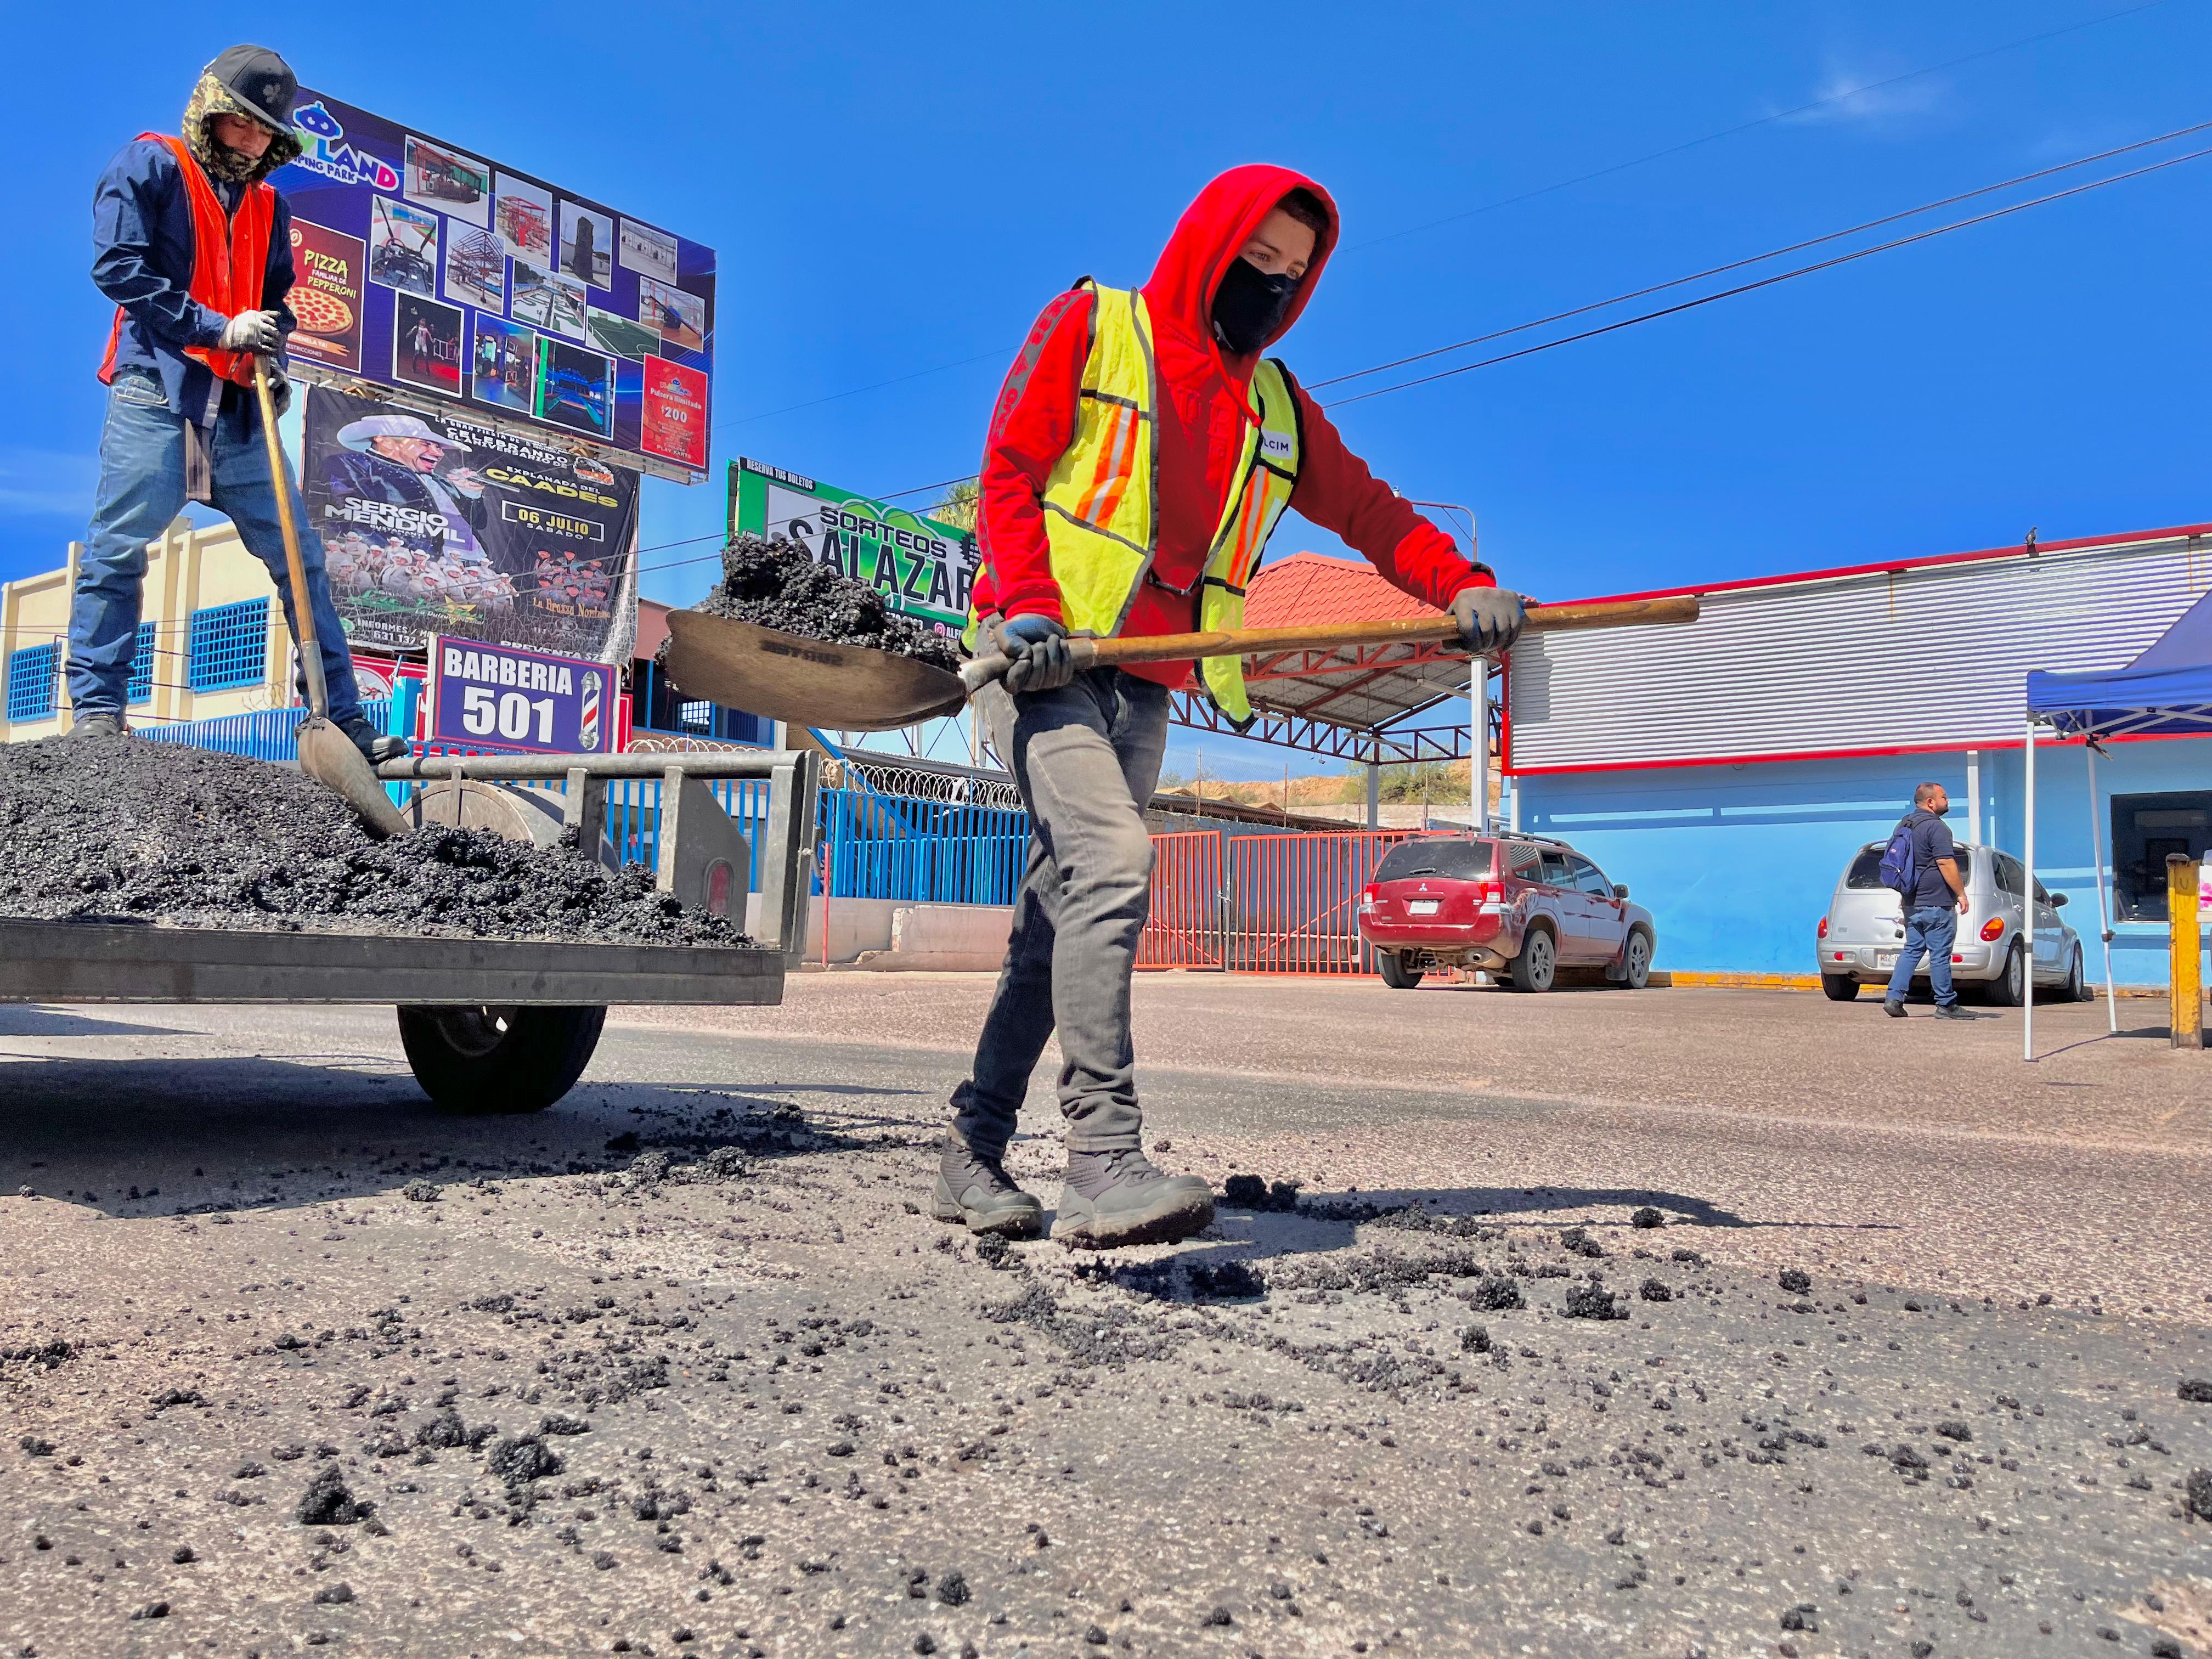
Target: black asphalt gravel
[(774, 582), (121, 828)]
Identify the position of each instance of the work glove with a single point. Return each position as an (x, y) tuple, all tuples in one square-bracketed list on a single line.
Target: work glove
[(253, 331), (280, 388), (1490, 618), (1038, 647)]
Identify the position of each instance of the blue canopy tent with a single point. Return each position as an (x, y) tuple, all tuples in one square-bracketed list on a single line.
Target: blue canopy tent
[(2165, 692)]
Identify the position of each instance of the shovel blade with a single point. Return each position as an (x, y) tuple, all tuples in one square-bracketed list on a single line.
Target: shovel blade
[(802, 682), (328, 755)]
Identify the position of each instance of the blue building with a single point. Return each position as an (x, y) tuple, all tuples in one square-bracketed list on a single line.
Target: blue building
[(1727, 770)]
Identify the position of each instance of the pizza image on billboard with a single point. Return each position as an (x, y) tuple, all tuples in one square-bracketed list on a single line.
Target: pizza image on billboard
[(325, 296), (575, 388)]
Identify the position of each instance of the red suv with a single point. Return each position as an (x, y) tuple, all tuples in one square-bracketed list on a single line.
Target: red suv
[(1522, 906)]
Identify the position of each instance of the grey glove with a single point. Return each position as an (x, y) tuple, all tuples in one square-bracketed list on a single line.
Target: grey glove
[(1038, 646), (1490, 618), (253, 331), (280, 388)]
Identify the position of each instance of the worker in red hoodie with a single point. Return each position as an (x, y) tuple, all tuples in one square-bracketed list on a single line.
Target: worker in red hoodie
[(1141, 452)]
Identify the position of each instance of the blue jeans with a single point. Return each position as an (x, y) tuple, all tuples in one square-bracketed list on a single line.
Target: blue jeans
[(1934, 931), (1086, 759), (141, 489)]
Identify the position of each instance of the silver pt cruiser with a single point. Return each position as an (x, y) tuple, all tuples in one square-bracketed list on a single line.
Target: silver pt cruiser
[(1861, 935)]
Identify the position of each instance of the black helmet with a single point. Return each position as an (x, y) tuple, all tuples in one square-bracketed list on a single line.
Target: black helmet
[(261, 82)]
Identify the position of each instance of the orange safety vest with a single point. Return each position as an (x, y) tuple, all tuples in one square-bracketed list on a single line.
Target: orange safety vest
[(230, 256)]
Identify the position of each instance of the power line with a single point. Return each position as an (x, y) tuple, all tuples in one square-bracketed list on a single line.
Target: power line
[(1769, 281), (1760, 258), (1729, 132)]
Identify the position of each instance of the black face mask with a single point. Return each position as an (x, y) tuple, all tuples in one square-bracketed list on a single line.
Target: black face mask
[(1249, 306)]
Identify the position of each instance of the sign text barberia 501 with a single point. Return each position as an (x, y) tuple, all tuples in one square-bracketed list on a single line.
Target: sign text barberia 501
[(500, 699)]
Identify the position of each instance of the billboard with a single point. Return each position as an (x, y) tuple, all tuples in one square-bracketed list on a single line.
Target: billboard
[(437, 523), (457, 281), (920, 566), (498, 699)]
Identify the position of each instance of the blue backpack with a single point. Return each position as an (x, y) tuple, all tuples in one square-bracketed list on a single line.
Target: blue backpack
[(1900, 869)]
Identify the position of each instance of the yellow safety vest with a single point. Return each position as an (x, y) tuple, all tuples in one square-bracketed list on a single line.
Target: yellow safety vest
[(1102, 501)]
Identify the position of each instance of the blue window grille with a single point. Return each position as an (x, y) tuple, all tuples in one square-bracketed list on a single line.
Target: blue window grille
[(229, 645), (31, 682), (141, 689)]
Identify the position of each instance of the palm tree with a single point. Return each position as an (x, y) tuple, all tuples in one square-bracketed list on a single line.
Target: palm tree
[(960, 506)]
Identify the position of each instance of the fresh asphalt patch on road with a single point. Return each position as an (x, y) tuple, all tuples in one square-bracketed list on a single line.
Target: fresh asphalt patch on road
[(289, 1360)]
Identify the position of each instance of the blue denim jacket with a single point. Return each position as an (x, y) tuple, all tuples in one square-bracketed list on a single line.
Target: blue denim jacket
[(143, 257)]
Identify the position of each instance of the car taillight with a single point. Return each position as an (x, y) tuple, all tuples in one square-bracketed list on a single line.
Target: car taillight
[(1367, 896), (1489, 892), (1823, 934), (1993, 929)]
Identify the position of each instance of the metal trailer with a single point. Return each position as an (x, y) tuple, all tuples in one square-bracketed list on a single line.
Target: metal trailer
[(488, 1024)]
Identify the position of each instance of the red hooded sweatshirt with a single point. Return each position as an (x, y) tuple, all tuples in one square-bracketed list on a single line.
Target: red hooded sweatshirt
[(1203, 392)]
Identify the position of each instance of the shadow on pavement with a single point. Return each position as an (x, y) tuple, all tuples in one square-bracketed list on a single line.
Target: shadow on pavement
[(236, 1134), (16, 1020)]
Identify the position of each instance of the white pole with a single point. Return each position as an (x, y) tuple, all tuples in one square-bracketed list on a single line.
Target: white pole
[(2027, 900), (1477, 719), (1974, 797), (2103, 919)]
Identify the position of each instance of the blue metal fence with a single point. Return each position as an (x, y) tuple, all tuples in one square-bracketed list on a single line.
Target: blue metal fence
[(229, 646), (269, 734)]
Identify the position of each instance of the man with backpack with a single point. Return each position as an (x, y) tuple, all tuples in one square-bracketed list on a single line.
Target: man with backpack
[(1922, 863)]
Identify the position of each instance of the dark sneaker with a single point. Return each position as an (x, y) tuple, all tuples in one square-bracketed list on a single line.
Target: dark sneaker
[(376, 746), (1953, 1011), (1118, 1198), (1892, 1007), (978, 1193), (98, 726)]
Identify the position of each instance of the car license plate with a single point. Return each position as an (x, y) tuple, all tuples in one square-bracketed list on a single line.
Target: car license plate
[(1885, 959), (1421, 907)]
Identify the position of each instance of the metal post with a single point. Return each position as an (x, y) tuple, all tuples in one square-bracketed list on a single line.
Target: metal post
[(1974, 797), (2185, 934), (2027, 900), (1477, 707), (1375, 786), (2097, 868)]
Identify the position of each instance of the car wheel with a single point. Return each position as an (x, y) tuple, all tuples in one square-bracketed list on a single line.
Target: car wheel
[(1537, 965), (2075, 990), (1396, 974), (2009, 988), (1839, 987), (1635, 961)]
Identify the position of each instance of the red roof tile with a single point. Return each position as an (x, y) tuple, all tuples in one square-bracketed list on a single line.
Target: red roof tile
[(1311, 587)]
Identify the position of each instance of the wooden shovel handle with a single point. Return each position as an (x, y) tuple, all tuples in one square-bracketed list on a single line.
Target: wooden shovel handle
[(303, 609), (1249, 641)]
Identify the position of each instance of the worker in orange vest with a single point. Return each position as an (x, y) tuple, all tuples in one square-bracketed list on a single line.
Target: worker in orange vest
[(194, 248)]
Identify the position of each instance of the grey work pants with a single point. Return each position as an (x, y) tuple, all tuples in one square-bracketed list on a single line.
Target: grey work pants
[(1086, 759)]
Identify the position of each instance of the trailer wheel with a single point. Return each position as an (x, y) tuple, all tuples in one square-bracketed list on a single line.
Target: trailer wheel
[(499, 1060)]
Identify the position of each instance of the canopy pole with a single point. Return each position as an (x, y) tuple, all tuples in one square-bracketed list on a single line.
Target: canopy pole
[(2104, 917), (2027, 900), (1974, 797)]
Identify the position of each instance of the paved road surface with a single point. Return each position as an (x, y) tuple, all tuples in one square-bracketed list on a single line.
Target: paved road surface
[(814, 1422)]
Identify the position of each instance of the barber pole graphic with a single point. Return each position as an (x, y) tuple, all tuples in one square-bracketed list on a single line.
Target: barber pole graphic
[(588, 723)]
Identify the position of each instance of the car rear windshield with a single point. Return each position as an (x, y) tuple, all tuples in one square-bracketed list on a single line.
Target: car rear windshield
[(1437, 855), (1866, 868)]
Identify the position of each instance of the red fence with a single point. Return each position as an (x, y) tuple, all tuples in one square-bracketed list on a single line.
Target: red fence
[(1261, 904)]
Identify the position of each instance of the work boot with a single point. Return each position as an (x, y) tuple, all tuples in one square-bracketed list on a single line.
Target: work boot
[(1953, 1011), (1117, 1197), (97, 725), (1893, 1006), (974, 1190), (375, 746)]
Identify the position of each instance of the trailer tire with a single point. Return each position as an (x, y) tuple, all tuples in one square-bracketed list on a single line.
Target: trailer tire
[(489, 1061)]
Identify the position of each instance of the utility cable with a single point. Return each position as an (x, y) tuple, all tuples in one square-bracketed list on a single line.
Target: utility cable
[(1769, 281), (1760, 258)]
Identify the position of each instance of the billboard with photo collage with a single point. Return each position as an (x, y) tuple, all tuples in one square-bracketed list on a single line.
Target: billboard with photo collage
[(463, 284)]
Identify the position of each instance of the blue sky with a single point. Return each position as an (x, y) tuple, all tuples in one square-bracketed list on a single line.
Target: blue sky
[(894, 191)]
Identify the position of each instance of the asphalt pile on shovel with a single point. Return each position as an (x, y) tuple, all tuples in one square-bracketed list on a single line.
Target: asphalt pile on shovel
[(124, 828), (774, 582)]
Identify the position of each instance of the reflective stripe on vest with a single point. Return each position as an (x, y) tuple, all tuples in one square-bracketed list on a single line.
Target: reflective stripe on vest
[(1102, 500), (230, 257)]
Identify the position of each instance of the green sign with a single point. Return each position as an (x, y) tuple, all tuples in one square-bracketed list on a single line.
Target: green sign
[(920, 565)]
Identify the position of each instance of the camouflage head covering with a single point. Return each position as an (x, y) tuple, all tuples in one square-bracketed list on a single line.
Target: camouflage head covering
[(210, 98)]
